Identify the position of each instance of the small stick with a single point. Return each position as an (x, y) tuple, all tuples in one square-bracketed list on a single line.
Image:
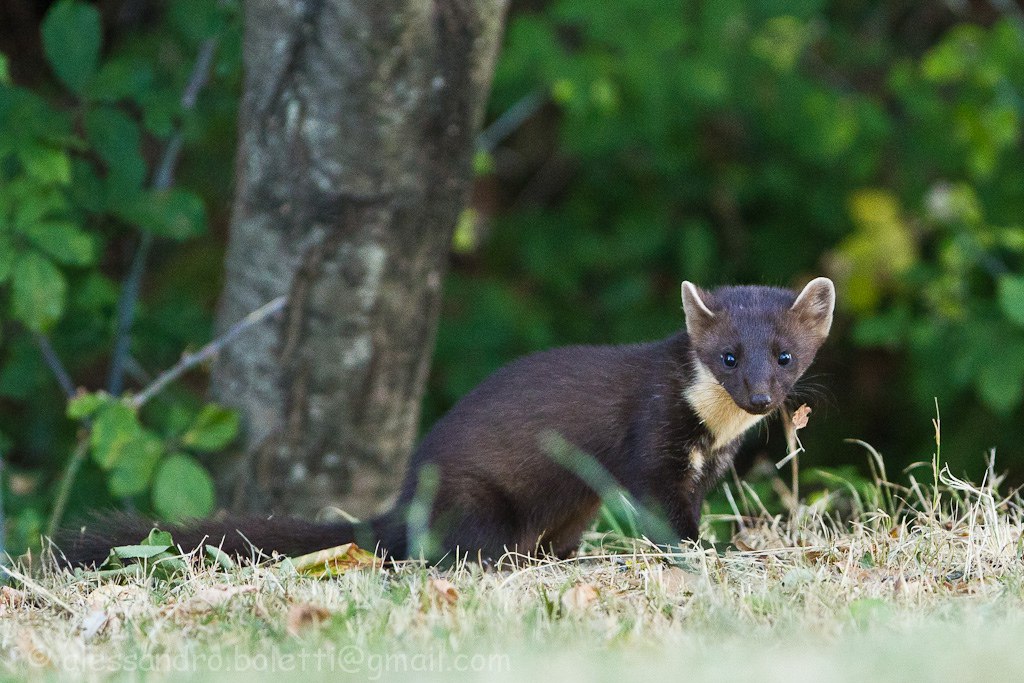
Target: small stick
[(510, 120), (67, 385), (190, 360), (792, 421)]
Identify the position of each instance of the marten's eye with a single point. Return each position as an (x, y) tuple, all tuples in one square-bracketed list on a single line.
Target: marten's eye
[(728, 360), (785, 357)]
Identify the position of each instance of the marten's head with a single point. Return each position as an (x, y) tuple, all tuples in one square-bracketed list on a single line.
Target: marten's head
[(754, 342)]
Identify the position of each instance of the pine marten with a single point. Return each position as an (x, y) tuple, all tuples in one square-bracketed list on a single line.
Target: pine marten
[(663, 419)]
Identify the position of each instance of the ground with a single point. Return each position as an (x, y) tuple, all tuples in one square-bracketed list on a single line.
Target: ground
[(917, 582)]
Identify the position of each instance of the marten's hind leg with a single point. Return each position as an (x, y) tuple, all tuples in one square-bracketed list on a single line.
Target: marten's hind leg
[(481, 526), (564, 541)]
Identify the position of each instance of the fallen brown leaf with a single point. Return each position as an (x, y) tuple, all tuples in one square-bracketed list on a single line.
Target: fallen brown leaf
[(443, 591), (579, 597), (127, 601), (11, 597), (305, 615), (210, 598), (678, 580), (334, 561)]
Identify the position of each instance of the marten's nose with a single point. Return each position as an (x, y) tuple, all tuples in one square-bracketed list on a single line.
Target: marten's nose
[(760, 401)]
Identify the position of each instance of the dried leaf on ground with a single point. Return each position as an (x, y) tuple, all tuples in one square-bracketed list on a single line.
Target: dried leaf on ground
[(11, 597), (129, 601), (443, 591), (579, 597), (304, 615), (212, 597), (677, 580), (334, 561)]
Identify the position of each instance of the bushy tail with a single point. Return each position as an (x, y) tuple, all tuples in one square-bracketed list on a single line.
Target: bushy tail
[(251, 537)]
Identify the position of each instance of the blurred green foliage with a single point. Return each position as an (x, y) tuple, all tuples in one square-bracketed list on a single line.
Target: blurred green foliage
[(767, 142), (661, 140), (78, 155)]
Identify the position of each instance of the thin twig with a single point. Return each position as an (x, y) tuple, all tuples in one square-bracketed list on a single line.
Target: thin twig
[(67, 385), (163, 179), (510, 120), (126, 314), (190, 360), (66, 482)]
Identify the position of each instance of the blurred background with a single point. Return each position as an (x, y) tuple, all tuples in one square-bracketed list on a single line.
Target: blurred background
[(628, 145)]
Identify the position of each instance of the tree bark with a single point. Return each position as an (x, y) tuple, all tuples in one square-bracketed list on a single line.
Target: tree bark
[(357, 132)]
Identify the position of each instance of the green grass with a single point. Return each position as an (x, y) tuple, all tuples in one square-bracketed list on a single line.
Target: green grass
[(923, 581)]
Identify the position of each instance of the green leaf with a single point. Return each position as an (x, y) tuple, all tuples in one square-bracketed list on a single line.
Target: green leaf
[(139, 552), (117, 140), (38, 292), (114, 431), (868, 611), (159, 537), (220, 558), (71, 40), (5, 74), (160, 109), (94, 292), (176, 420), (88, 189), (1011, 297), (122, 78), (22, 371), (182, 488), (213, 429), (176, 214), (6, 258), (134, 469), (156, 556), (84, 405), (1000, 387), (38, 204), (63, 241), (46, 164)]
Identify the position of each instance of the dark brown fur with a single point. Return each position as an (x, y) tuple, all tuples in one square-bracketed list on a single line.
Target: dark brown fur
[(486, 471)]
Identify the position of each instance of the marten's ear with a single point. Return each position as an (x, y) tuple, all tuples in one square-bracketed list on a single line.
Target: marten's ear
[(698, 315), (814, 305)]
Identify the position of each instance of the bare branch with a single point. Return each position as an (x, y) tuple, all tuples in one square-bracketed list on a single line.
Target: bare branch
[(126, 314), (163, 179), (190, 360), (510, 120), (67, 385)]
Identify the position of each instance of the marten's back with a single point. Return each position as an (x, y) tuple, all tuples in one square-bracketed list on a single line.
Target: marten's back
[(585, 394)]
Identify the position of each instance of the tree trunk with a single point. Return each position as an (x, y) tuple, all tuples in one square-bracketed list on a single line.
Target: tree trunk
[(357, 132)]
